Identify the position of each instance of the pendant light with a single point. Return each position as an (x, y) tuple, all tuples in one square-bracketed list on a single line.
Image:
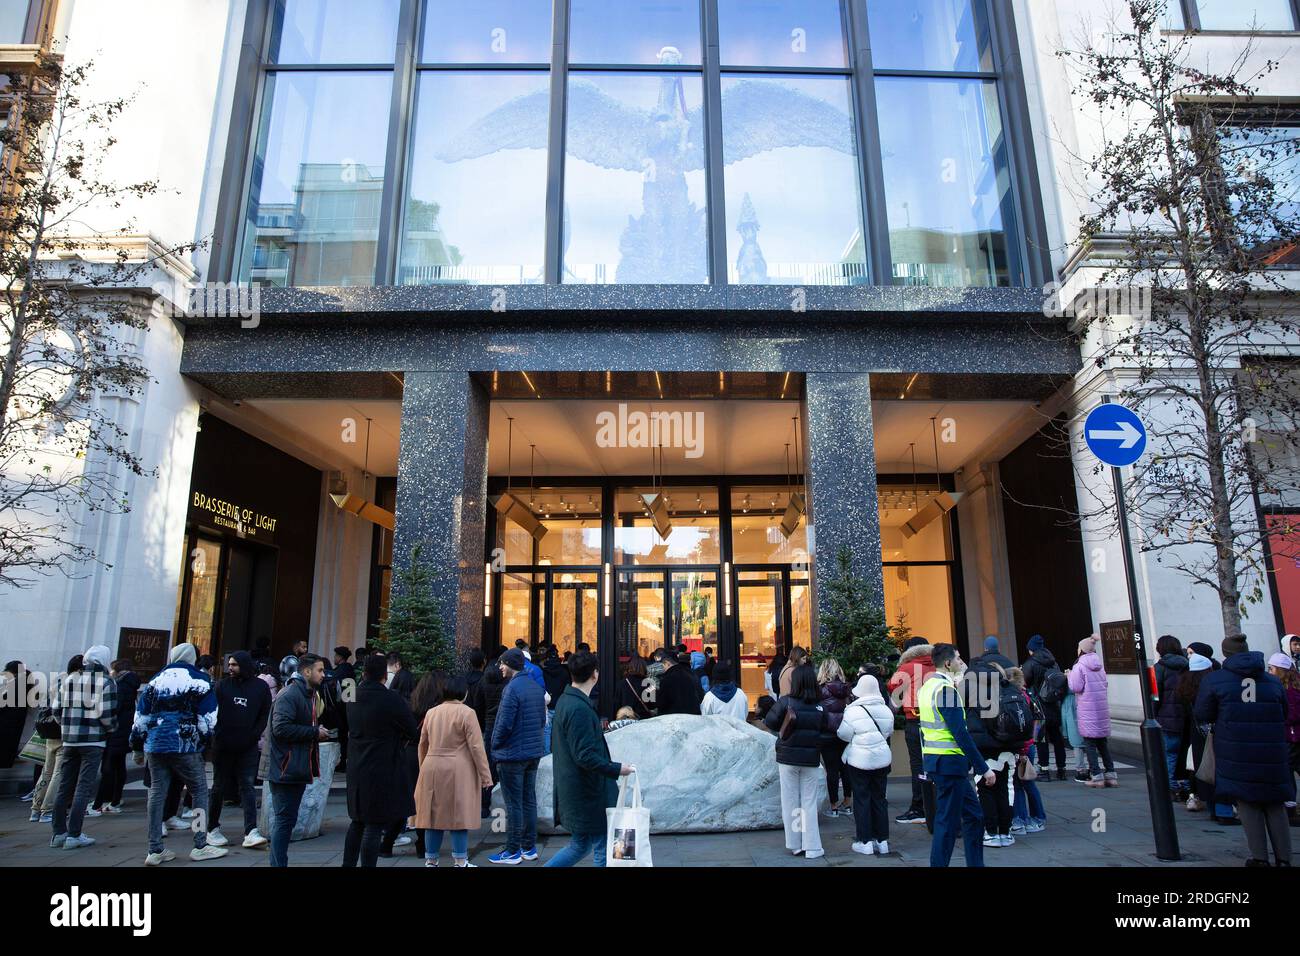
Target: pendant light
[(508, 504), (942, 502), (655, 503), (798, 504), (362, 508)]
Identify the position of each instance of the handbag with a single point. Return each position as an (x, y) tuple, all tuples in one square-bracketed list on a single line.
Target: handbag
[(788, 721), (627, 833), (1205, 772), (1025, 769)]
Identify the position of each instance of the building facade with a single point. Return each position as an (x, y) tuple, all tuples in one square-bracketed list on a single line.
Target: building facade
[(634, 315)]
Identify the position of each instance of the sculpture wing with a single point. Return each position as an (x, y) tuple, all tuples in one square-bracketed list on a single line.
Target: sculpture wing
[(519, 123), (606, 133), (759, 115)]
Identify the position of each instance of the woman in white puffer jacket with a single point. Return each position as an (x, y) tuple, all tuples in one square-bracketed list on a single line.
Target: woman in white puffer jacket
[(866, 727)]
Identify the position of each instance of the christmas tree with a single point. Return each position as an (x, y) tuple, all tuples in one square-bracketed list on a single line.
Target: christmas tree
[(853, 628), (414, 626)]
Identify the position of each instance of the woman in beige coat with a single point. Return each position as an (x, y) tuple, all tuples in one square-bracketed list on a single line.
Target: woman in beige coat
[(453, 774)]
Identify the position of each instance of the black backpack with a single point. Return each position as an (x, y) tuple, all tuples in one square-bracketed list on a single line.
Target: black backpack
[(1013, 724), (1054, 686)]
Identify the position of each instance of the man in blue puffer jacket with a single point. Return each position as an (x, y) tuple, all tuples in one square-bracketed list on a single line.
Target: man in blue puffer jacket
[(175, 717), (517, 746), (1248, 708)]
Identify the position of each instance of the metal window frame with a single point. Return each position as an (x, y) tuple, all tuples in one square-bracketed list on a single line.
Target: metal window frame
[(1192, 18)]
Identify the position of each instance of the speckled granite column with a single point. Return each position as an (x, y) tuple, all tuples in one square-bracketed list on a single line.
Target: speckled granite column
[(442, 492), (841, 461)]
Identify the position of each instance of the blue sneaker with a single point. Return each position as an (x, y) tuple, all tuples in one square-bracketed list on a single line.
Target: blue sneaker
[(529, 854), (509, 859)]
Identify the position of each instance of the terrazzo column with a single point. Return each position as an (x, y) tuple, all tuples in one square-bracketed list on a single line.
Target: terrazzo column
[(840, 455), (442, 493)]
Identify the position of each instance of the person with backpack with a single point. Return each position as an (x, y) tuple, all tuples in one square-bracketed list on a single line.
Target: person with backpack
[(1046, 683), (1089, 682), (1170, 669), (1028, 815), (1001, 722)]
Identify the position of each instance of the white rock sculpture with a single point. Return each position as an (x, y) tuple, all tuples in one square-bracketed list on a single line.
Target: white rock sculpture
[(698, 774)]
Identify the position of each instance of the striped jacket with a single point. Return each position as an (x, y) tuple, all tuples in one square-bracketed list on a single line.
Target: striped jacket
[(87, 706)]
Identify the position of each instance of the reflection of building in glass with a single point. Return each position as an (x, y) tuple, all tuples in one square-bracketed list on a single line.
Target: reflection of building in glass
[(327, 235), (935, 257)]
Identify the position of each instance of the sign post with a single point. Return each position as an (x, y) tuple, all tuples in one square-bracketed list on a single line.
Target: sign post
[(1117, 437)]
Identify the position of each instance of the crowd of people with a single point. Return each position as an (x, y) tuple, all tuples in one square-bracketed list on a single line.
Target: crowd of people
[(424, 752)]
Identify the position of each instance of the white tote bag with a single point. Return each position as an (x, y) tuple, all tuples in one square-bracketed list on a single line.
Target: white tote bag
[(627, 836)]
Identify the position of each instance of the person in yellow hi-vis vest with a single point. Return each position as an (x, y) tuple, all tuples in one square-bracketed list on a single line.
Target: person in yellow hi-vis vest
[(949, 754)]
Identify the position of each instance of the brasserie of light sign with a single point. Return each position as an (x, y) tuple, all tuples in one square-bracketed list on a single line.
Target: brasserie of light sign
[(227, 514)]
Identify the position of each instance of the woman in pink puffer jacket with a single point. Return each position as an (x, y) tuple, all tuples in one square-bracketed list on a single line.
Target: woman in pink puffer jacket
[(1088, 683)]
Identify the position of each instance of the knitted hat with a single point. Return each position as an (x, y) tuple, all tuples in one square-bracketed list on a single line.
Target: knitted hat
[(513, 659), (1036, 643), (1203, 649), (1234, 645), (1088, 645), (1197, 662), (990, 644), (183, 653)]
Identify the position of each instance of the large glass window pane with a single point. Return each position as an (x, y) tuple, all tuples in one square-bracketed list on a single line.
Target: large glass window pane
[(641, 614), (781, 33), (918, 597), (313, 211), (487, 31), (634, 196), (574, 611), (333, 31), (634, 31), (898, 504), (517, 597), (475, 206), (693, 538), (13, 20), (1258, 156), (1246, 14), (791, 181), (756, 536), (1174, 15), (947, 184), (929, 35)]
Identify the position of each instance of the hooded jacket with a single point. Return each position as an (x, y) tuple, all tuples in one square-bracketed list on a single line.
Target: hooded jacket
[(1250, 750), (243, 707), (835, 698), (867, 725), (555, 677), (1088, 682), (521, 717), (88, 702), (176, 712), (726, 700), (1039, 664), (679, 692), (294, 756), (803, 747), (914, 667), (1170, 670)]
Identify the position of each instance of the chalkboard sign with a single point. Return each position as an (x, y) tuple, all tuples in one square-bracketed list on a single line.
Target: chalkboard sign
[(145, 648), (1118, 650)]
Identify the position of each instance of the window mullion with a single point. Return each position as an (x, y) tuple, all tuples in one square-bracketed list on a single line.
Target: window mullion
[(871, 172), (554, 246), (399, 131), (713, 149)]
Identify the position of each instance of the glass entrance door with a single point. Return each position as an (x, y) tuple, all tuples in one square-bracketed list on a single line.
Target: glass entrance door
[(695, 609), (641, 607), (574, 610)]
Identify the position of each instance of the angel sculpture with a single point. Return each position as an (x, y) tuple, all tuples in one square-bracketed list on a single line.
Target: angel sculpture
[(668, 241)]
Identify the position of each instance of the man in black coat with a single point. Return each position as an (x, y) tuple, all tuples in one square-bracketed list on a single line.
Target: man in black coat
[(343, 669), (294, 759), (243, 708), (679, 691), (400, 680), (380, 788)]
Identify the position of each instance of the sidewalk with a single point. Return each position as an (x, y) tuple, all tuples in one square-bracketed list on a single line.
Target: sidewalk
[(1085, 827)]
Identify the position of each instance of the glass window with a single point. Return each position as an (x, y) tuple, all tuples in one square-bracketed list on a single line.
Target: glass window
[(781, 33), (929, 35), (634, 31), (1253, 157), (571, 517), (756, 536), (487, 31), (1174, 15), (899, 505), (919, 599), (1246, 14), (13, 20), (516, 607), (333, 31), (634, 196), (693, 539), (475, 204), (313, 211), (791, 181), (947, 183)]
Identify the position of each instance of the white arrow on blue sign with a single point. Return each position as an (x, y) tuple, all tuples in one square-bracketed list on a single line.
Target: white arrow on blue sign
[(1115, 435)]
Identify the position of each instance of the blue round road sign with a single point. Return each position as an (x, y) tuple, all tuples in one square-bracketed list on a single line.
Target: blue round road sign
[(1115, 435)]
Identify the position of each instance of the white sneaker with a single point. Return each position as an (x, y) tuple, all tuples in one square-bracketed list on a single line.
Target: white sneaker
[(208, 853), (57, 841), (176, 823), (35, 817), (254, 839), (866, 849), (155, 859), (404, 840), (189, 813), (111, 808), (464, 865), (992, 839), (92, 812), (814, 854), (882, 847), (77, 842), (217, 838), (1007, 840)]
